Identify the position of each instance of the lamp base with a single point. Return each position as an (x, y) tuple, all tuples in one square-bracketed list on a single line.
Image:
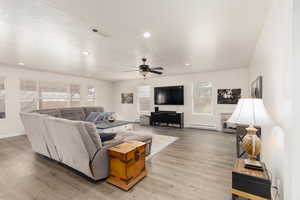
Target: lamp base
[(251, 143)]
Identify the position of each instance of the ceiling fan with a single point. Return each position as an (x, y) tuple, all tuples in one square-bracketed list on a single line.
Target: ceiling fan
[(145, 69)]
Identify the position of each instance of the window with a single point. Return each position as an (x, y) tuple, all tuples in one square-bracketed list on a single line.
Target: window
[(2, 98), (28, 95), (202, 98), (144, 99), (75, 95), (91, 98), (53, 95), (45, 95)]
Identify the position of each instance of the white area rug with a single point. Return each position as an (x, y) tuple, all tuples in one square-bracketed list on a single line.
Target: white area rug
[(159, 142)]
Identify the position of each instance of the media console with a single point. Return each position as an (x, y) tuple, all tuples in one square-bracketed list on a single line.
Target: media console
[(167, 117)]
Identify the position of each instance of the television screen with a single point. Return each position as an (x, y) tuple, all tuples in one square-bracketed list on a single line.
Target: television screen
[(172, 95)]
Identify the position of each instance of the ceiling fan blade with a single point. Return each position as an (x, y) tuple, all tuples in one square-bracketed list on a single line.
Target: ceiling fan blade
[(155, 72), (157, 68), (131, 70), (99, 31)]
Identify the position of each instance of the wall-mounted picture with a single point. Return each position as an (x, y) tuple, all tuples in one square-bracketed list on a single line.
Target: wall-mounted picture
[(229, 96), (257, 87), (127, 98)]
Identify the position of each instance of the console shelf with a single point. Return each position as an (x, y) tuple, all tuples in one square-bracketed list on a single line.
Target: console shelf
[(167, 117)]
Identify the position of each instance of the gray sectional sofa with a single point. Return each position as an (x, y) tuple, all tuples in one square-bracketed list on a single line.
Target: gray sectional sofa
[(64, 135)]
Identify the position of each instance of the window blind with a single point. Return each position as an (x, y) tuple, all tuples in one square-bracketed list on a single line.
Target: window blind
[(144, 98), (202, 98)]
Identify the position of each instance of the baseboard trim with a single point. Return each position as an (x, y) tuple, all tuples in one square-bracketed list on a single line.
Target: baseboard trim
[(2, 136), (203, 127)]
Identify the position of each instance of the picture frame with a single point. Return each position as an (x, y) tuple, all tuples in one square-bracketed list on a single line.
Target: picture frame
[(229, 96), (127, 98), (257, 88)]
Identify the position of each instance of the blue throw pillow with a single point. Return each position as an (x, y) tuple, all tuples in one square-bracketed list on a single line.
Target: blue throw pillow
[(107, 136), (108, 114), (93, 116), (101, 116), (104, 115)]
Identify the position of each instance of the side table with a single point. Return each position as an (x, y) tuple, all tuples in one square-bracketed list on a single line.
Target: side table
[(249, 183)]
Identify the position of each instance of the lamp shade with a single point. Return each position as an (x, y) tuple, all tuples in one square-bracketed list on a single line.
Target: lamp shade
[(250, 111)]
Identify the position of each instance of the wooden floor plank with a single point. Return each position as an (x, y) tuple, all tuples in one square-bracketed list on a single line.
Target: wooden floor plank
[(195, 167)]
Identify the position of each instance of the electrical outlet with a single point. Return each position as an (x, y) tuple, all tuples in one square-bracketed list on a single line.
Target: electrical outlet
[(276, 188), (278, 183)]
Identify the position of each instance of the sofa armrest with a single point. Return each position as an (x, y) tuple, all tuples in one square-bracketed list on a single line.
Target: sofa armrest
[(100, 164)]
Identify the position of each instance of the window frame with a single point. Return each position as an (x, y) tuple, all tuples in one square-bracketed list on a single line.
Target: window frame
[(40, 99), (37, 98), (94, 96), (212, 99), (138, 100), (70, 95)]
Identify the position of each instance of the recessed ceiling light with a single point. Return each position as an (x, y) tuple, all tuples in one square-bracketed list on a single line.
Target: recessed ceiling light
[(147, 35), (85, 53), (21, 63), (187, 64)]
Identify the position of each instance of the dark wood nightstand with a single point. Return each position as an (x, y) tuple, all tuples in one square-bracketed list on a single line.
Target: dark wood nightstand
[(250, 184)]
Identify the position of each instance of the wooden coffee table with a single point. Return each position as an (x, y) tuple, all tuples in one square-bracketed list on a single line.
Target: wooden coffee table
[(113, 127)]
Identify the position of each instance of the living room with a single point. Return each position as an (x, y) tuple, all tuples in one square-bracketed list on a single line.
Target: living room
[(148, 88)]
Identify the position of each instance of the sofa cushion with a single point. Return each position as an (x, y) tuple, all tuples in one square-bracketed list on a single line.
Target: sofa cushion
[(103, 116), (74, 146), (51, 112), (92, 117), (92, 131), (88, 110), (76, 114), (35, 129)]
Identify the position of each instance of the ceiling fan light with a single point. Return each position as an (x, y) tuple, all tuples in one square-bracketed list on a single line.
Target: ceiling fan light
[(144, 73), (147, 35), (86, 53)]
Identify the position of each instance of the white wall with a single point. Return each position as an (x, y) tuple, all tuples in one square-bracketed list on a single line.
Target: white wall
[(272, 60), (293, 145), (11, 125), (235, 78)]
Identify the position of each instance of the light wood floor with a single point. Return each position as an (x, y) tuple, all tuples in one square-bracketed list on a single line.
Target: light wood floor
[(195, 167)]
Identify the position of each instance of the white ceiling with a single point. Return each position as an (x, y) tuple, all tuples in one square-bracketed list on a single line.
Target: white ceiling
[(50, 35)]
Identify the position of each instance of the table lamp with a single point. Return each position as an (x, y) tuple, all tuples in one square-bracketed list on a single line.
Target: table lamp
[(252, 112)]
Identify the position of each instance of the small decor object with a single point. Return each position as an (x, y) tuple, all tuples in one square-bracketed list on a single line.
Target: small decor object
[(229, 96), (127, 98), (256, 88), (127, 164), (251, 112), (111, 118)]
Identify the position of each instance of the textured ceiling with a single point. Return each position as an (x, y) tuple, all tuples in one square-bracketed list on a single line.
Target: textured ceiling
[(50, 35)]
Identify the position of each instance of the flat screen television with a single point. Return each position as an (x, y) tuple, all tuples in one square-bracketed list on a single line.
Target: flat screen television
[(172, 95)]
